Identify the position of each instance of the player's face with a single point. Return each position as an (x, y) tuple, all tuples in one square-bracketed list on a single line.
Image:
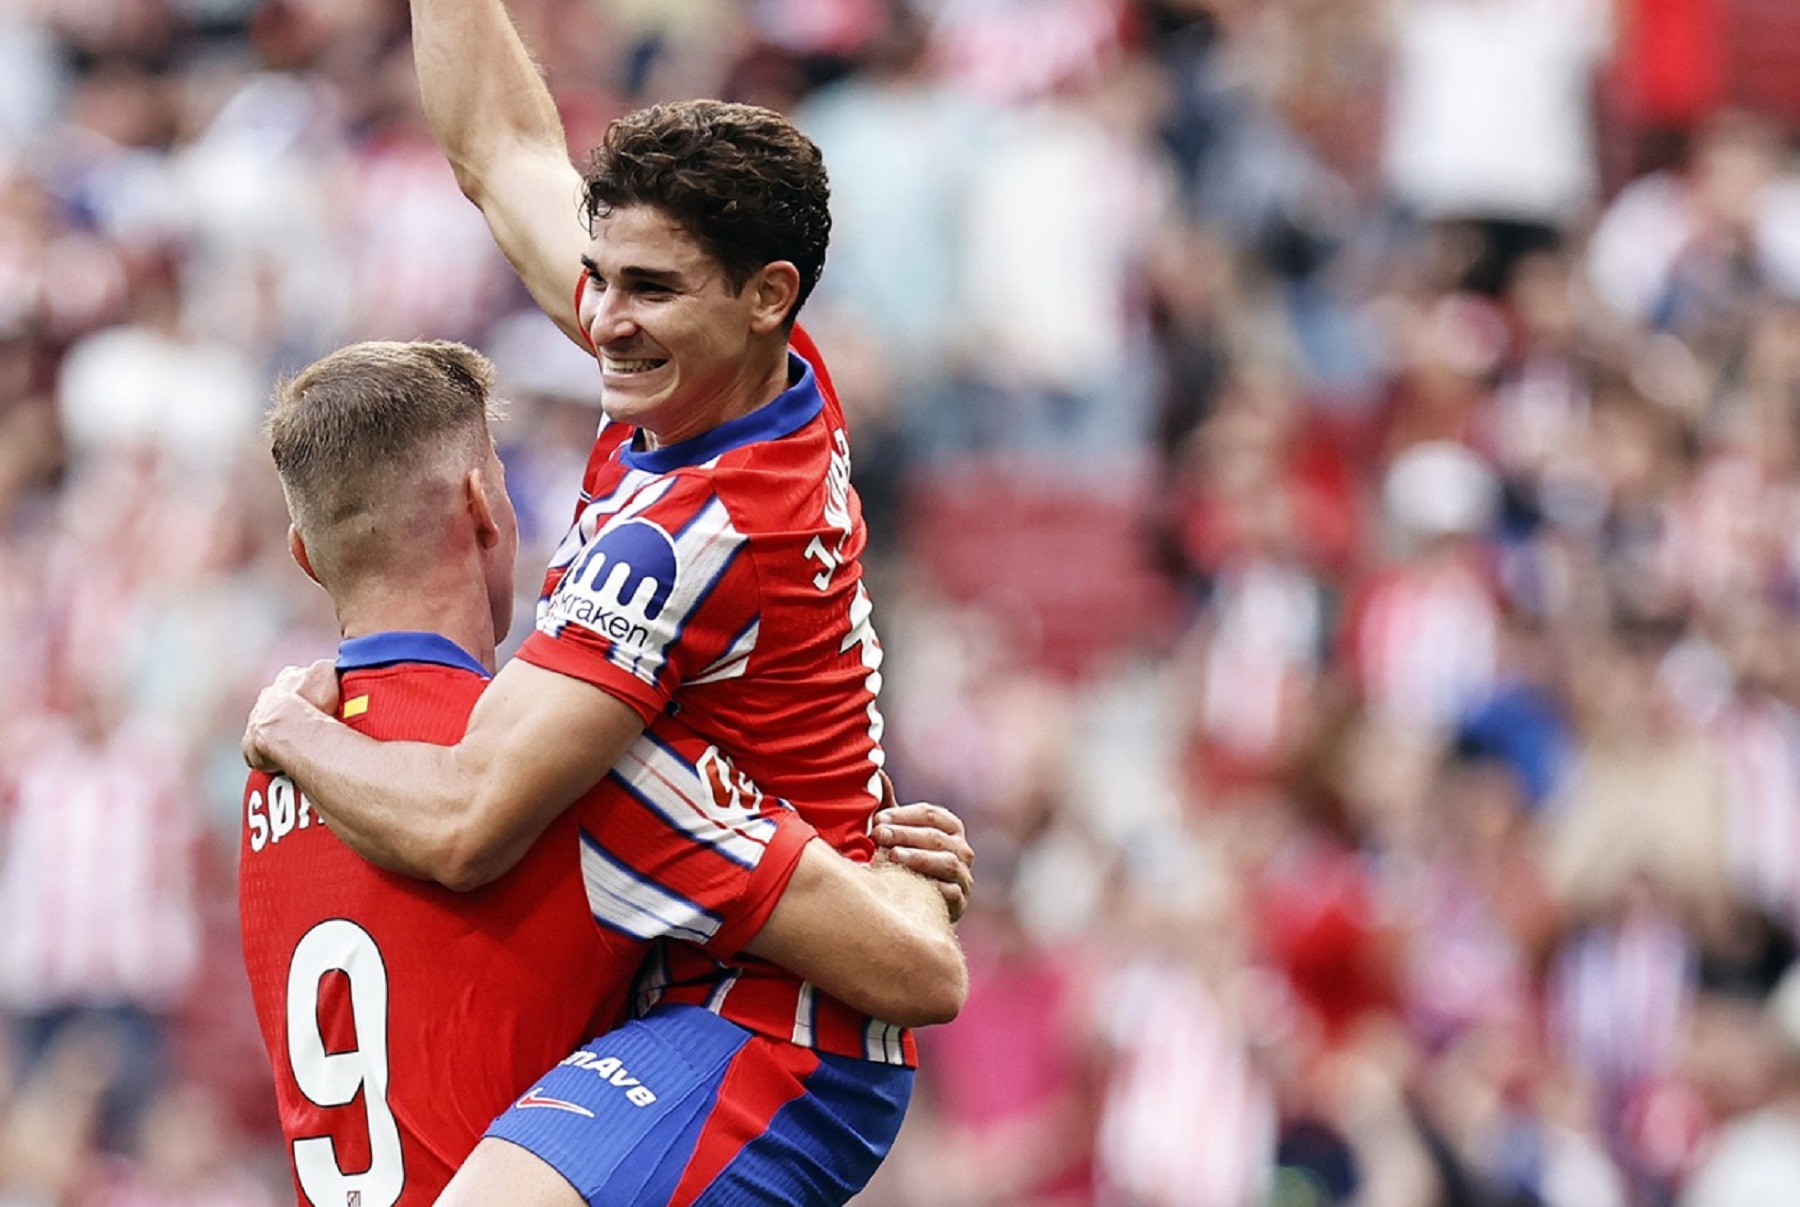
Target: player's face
[(503, 557), (674, 341)]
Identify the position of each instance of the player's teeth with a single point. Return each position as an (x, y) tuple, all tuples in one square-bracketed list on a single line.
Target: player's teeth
[(631, 366)]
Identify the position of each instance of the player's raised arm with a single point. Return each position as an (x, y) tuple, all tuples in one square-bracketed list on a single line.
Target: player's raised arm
[(493, 115), (460, 815)]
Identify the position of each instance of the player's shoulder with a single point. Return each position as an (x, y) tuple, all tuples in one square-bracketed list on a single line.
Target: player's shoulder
[(743, 481), (414, 701)]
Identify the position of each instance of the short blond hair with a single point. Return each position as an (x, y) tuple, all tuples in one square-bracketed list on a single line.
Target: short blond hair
[(358, 434)]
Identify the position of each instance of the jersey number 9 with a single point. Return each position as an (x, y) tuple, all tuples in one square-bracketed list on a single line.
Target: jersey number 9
[(333, 1079)]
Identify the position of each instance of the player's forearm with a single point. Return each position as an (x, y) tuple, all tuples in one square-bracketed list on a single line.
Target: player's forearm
[(495, 119), (481, 91), (461, 815), (876, 938), (401, 805), (918, 972)]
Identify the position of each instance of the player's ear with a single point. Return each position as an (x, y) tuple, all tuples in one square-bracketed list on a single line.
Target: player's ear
[(297, 548), (773, 291), (481, 510)]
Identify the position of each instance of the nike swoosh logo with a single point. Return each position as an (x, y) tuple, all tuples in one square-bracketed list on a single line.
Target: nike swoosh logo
[(536, 1098)]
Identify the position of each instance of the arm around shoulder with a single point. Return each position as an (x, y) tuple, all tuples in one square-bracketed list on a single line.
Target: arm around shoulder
[(536, 741), (460, 815)]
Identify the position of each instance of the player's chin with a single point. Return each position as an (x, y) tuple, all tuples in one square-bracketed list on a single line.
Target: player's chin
[(629, 400)]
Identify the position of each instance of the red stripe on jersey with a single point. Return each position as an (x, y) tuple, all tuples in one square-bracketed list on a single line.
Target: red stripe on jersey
[(748, 1100)]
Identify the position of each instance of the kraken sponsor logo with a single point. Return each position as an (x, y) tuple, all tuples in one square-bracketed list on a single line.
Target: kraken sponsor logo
[(619, 585)]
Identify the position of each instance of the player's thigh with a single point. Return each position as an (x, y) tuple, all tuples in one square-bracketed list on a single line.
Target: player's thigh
[(793, 1127), (619, 1119), (682, 1108), (501, 1174)]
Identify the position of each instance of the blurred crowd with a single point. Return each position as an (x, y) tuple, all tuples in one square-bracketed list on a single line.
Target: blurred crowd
[(1333, 469)]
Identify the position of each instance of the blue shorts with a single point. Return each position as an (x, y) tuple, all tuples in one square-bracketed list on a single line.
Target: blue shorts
[(684, 1109)]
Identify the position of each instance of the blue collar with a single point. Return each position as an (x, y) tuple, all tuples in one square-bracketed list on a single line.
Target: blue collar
[(791, 410), (385, 649)]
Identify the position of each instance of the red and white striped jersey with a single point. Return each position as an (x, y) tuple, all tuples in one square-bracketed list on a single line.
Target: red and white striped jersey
[(400, 1017), (420, 256), (1186, 1119), (1621, 997), (1759, 737), (720, 579), (96, 886), (1423, 641)]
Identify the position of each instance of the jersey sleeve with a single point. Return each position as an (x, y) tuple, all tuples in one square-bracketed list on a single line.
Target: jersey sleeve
[(676, 843), (745, 917), (664, 593)]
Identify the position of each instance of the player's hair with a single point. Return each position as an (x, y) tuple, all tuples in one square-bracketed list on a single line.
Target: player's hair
[(741, 180), (360, 430)]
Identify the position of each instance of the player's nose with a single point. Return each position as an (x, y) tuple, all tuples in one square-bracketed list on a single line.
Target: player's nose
[(614, 317)]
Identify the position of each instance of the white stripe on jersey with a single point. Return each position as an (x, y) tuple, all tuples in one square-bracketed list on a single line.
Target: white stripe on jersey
[(623, 900), (805, 1009), (716, 1000), (882, 1043), (734, 661), (638, 487), (706, 545), (96, 885), (678, 793)]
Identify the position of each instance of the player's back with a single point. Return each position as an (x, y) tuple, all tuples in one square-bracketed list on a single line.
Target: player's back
[(401, 1017)]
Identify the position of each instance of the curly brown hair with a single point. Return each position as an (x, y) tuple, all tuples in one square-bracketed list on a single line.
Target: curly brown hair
[(747, 185)]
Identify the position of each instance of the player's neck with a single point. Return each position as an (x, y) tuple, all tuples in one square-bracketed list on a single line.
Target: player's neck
[(456, 612), (763, 380)]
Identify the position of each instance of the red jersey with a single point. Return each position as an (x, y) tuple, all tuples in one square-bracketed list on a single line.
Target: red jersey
[(401, 1017), (720, 579)]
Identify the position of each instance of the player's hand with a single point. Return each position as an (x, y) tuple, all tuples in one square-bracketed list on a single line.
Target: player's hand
[(314, 688), (317, 685), (930, 840)]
